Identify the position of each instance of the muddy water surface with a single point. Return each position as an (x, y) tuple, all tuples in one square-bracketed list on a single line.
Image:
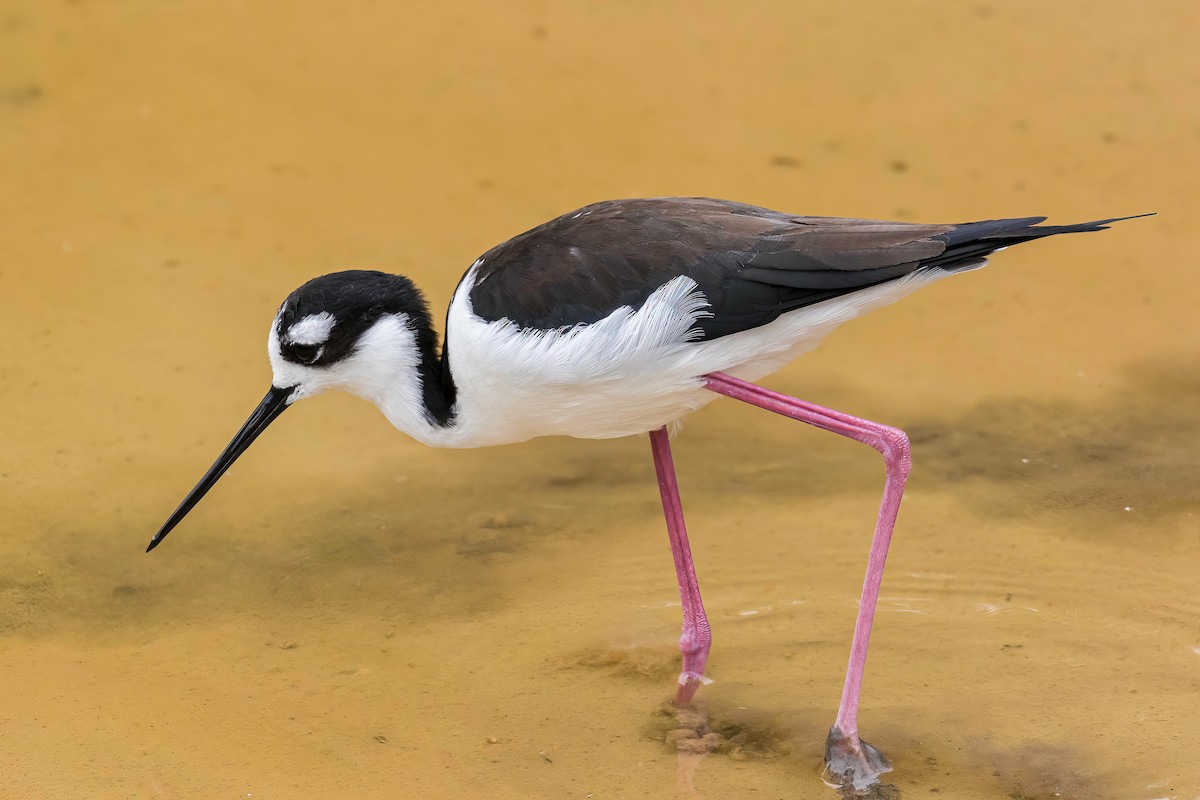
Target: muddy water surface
[(353, 615)]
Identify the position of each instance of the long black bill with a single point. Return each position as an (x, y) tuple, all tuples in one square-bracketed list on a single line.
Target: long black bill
[(271, 407)]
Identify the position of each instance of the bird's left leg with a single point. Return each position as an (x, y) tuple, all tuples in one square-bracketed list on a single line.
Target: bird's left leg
[(848, 759), (696, 638)]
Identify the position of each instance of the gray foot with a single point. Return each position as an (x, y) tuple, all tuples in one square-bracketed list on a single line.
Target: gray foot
[(852, 763)]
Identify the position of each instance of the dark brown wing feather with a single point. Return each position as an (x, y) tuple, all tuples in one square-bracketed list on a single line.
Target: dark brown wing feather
[(752, 264)]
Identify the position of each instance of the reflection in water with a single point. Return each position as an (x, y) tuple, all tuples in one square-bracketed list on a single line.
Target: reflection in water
[(741, 736)]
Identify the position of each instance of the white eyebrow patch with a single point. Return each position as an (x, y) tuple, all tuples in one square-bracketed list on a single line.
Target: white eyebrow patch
[(313, 329)]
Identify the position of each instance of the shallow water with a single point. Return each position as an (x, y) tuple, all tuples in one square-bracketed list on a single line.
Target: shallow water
[(353, 615)]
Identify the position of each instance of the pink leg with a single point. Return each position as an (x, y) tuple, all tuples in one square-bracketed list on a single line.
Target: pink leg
[(696, 639), (848, 759)]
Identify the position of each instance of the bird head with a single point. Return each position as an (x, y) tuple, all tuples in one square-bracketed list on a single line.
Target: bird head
[(356, 330), (341, 331)]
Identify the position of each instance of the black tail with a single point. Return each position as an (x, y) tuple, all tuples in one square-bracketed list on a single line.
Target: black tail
[(969, 242)]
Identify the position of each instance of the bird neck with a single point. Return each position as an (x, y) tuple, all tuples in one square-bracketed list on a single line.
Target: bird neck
[(399, 368), (437, 383)]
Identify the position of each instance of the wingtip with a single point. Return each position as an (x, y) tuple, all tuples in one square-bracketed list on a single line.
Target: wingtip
[(1041, 231), (1122, 219)]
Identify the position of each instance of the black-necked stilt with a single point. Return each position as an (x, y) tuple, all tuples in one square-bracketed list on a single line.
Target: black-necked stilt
[(619, 319)]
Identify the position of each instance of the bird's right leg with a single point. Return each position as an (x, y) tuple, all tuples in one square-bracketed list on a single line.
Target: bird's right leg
[(848, 759)]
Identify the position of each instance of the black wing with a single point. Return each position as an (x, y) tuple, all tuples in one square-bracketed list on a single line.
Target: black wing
[(752, 264)]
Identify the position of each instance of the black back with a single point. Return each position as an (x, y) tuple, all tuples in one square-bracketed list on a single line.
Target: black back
[(752, 264)]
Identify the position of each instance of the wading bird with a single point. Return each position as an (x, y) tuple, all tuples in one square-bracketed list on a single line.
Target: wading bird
[(618, 319)]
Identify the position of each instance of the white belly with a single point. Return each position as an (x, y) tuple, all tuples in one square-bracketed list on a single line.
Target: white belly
[(629, 373)]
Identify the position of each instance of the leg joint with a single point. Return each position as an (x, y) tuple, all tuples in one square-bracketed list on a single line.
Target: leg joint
[(893, 444)]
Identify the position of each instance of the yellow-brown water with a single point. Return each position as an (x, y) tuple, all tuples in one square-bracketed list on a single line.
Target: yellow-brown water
[(351, 615)]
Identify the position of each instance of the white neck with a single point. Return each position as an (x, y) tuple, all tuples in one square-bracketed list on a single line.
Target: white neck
[(386, 370)]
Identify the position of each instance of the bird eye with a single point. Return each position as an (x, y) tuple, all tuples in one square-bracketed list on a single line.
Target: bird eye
[(304, 353)]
